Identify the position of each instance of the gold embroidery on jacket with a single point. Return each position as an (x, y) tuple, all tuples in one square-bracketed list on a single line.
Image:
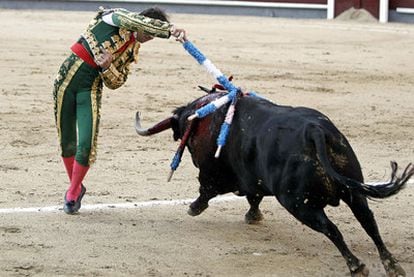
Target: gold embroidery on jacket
[(117, 73), (124, 34), (117, 41), (136, 51), (92, 42)]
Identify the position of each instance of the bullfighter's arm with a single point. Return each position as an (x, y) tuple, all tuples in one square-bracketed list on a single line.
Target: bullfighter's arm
[(136, 22)]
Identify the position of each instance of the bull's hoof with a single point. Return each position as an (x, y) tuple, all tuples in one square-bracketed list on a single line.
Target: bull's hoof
[(361, 271), (394, 270), (253, 216), (196, 209)]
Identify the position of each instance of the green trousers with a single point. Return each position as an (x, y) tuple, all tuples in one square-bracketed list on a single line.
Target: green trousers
[(77, 98)]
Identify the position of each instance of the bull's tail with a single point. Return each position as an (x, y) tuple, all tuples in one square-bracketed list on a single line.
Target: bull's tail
[(378, 190)]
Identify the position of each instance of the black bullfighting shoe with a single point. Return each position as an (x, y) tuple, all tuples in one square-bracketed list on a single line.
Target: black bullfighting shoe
[(72, 207)]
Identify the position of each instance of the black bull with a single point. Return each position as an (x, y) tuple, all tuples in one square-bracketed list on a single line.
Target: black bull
[(295, 154)]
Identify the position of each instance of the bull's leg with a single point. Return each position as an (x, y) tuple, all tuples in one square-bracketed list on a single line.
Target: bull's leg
[(253, 215), (201, 203), (207, 191), (317, 220), (359, 207)]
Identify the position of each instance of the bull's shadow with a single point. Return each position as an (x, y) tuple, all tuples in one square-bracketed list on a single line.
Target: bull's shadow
[(294, 153)]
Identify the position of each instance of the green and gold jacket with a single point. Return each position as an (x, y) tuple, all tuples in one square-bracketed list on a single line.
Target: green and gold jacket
[(119, 41)]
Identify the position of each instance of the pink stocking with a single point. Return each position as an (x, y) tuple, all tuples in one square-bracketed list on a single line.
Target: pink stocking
[(78, 173), (68, 162)]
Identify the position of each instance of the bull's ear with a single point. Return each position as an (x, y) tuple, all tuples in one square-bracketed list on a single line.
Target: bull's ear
[(206, 89)]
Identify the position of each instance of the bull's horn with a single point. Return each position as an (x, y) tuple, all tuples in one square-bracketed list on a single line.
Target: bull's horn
[(159, 127)]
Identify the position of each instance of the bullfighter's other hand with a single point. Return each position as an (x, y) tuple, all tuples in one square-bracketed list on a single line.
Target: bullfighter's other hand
[(104, 59)]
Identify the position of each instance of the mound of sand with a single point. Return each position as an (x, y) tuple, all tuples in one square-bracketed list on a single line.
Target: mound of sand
[(360, 15)]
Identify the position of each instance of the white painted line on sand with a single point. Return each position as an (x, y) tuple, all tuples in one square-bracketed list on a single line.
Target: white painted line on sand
[(129, 205)]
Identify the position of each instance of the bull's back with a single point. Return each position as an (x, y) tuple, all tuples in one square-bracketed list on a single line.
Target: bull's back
[(268, 142)]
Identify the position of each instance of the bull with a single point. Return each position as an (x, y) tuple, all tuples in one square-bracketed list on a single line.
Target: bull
[(293, 153)]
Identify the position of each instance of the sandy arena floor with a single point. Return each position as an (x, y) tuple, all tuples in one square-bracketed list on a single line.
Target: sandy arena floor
[(359, 74)]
